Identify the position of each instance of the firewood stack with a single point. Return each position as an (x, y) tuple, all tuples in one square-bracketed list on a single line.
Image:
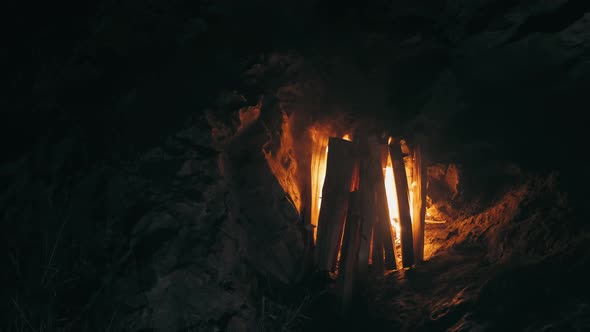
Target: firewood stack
[(354, 221)]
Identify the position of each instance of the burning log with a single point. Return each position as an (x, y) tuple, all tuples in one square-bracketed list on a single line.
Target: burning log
[(316, 180), (349, 260), (401, 186), (335, 194), (382, 227), (419, 203)]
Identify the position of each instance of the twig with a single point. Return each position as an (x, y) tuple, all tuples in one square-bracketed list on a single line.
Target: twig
[(59, 234), (53, 250), (296, 313), (24, 317)]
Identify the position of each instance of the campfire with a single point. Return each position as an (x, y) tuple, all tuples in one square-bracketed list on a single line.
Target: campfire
[(385, 179), (361, 197)]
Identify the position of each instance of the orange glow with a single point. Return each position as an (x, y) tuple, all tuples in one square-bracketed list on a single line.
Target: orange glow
[(283, 164), (347, 137), (248, 115)]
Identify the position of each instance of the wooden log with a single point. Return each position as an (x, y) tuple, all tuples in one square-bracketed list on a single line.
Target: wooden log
[(308, 256), (349, 262), (386, 234), (383, 223), (377, 263), (374, 178), (318, 171), (419, 203), (335, 195), (307, 197), (367, 202), (401, 187)]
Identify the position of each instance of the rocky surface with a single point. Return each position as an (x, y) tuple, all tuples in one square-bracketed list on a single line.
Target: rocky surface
[(173, 240)]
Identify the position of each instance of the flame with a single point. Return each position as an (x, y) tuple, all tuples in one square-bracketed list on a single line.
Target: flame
[(319, 154), (392, 198), (283, 164), (285, 167), (391, 193)]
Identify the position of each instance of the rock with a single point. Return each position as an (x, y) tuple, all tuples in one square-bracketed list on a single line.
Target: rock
[(152, 231)]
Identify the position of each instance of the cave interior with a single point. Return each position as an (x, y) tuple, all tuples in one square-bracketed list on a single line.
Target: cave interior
[(295, 166)]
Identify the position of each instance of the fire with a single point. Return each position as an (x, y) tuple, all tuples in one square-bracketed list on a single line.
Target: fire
[(299, 162), (319, 158), (289, 170), (392, 198), (319, 155), (283, 164), (391, 194)]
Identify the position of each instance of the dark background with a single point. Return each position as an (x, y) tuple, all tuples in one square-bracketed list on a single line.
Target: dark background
[(70, 64)]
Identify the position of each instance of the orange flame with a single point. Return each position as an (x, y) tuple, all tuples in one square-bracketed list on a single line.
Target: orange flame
[(392, 198), (283, 164)]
